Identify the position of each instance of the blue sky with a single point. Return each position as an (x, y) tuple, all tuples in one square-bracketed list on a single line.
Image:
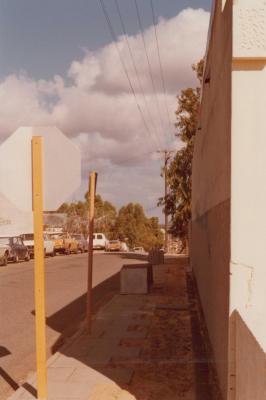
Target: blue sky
[(43, 37), (59, 66)]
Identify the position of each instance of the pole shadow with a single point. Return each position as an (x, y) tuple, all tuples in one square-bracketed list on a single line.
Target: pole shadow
[(9, 380)]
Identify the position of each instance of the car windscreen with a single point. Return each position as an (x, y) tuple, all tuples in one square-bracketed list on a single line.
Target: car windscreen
[(99, 236), (4, 241)]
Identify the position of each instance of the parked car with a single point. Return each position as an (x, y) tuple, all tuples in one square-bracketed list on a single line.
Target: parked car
[(99, 241), (28, 239), (82, 242), (18, 250), (113, 245), (64, 243), (48, 245), (138, 249), (5, 250)]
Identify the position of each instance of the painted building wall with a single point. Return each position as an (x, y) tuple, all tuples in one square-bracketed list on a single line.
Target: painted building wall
[(229, 197), (211, 189), (248, 200)]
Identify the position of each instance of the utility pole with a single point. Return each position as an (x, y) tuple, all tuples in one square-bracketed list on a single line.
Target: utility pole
[(92, 190), (167, 156)]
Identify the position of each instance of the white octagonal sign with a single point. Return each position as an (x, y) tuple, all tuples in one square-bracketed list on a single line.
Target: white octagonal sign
[(61, 167)]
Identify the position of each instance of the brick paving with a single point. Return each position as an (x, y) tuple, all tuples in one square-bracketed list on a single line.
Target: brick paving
[(144, 347)]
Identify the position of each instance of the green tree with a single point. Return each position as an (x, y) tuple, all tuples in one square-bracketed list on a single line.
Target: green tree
[(77, 213), (132, 225), (105, 214), (177, 204)]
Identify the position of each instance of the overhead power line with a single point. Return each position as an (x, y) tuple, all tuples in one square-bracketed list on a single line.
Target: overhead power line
[(113, 35), (160, 64), (136, 69), (148, 63)]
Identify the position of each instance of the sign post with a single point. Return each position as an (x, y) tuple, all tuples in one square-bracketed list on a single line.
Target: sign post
[(39, 169), (92, 190), (39, 276)]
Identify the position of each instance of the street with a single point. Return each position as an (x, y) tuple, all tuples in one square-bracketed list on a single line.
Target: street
[(66, 281)]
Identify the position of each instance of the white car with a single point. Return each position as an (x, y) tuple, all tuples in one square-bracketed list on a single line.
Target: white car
[(124, 247), (99, 241), (28, 239), (48, 245), (138, 249)]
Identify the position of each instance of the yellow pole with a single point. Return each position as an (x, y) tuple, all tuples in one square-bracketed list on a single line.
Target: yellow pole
[(39, 276), (92, 189)]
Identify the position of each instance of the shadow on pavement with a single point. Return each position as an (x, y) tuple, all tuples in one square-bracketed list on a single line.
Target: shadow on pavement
[(9, 380), (75, 311), (140, 342), (152, 346)]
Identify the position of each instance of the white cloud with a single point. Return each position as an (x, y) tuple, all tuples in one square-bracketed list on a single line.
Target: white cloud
[(181, 40), (97, 109)]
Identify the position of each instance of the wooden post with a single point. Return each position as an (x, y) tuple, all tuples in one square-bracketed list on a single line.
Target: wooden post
[(39, 275), (92, 190)]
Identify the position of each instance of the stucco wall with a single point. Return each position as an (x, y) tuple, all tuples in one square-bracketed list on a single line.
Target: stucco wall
[(211, 189), (248, 198), (229, 197)]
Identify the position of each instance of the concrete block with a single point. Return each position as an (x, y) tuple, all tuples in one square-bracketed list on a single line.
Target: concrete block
[(156, 257), (135, 278)]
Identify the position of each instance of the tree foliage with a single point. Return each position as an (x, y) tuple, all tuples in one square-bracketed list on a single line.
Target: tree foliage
[(133, 226), (77, 213), (177, 203), (130, 224)]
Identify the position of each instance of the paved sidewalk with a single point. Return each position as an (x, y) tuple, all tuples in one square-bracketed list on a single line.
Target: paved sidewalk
[(144, 347)]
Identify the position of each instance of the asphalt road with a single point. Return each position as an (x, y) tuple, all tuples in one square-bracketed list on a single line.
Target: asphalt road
[(66, 282)]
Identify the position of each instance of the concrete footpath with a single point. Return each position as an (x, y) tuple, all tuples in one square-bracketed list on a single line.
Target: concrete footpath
[(144, 347)]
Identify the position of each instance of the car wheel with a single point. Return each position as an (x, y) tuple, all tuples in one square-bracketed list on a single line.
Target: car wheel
[(27, 257), (5, 260)]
